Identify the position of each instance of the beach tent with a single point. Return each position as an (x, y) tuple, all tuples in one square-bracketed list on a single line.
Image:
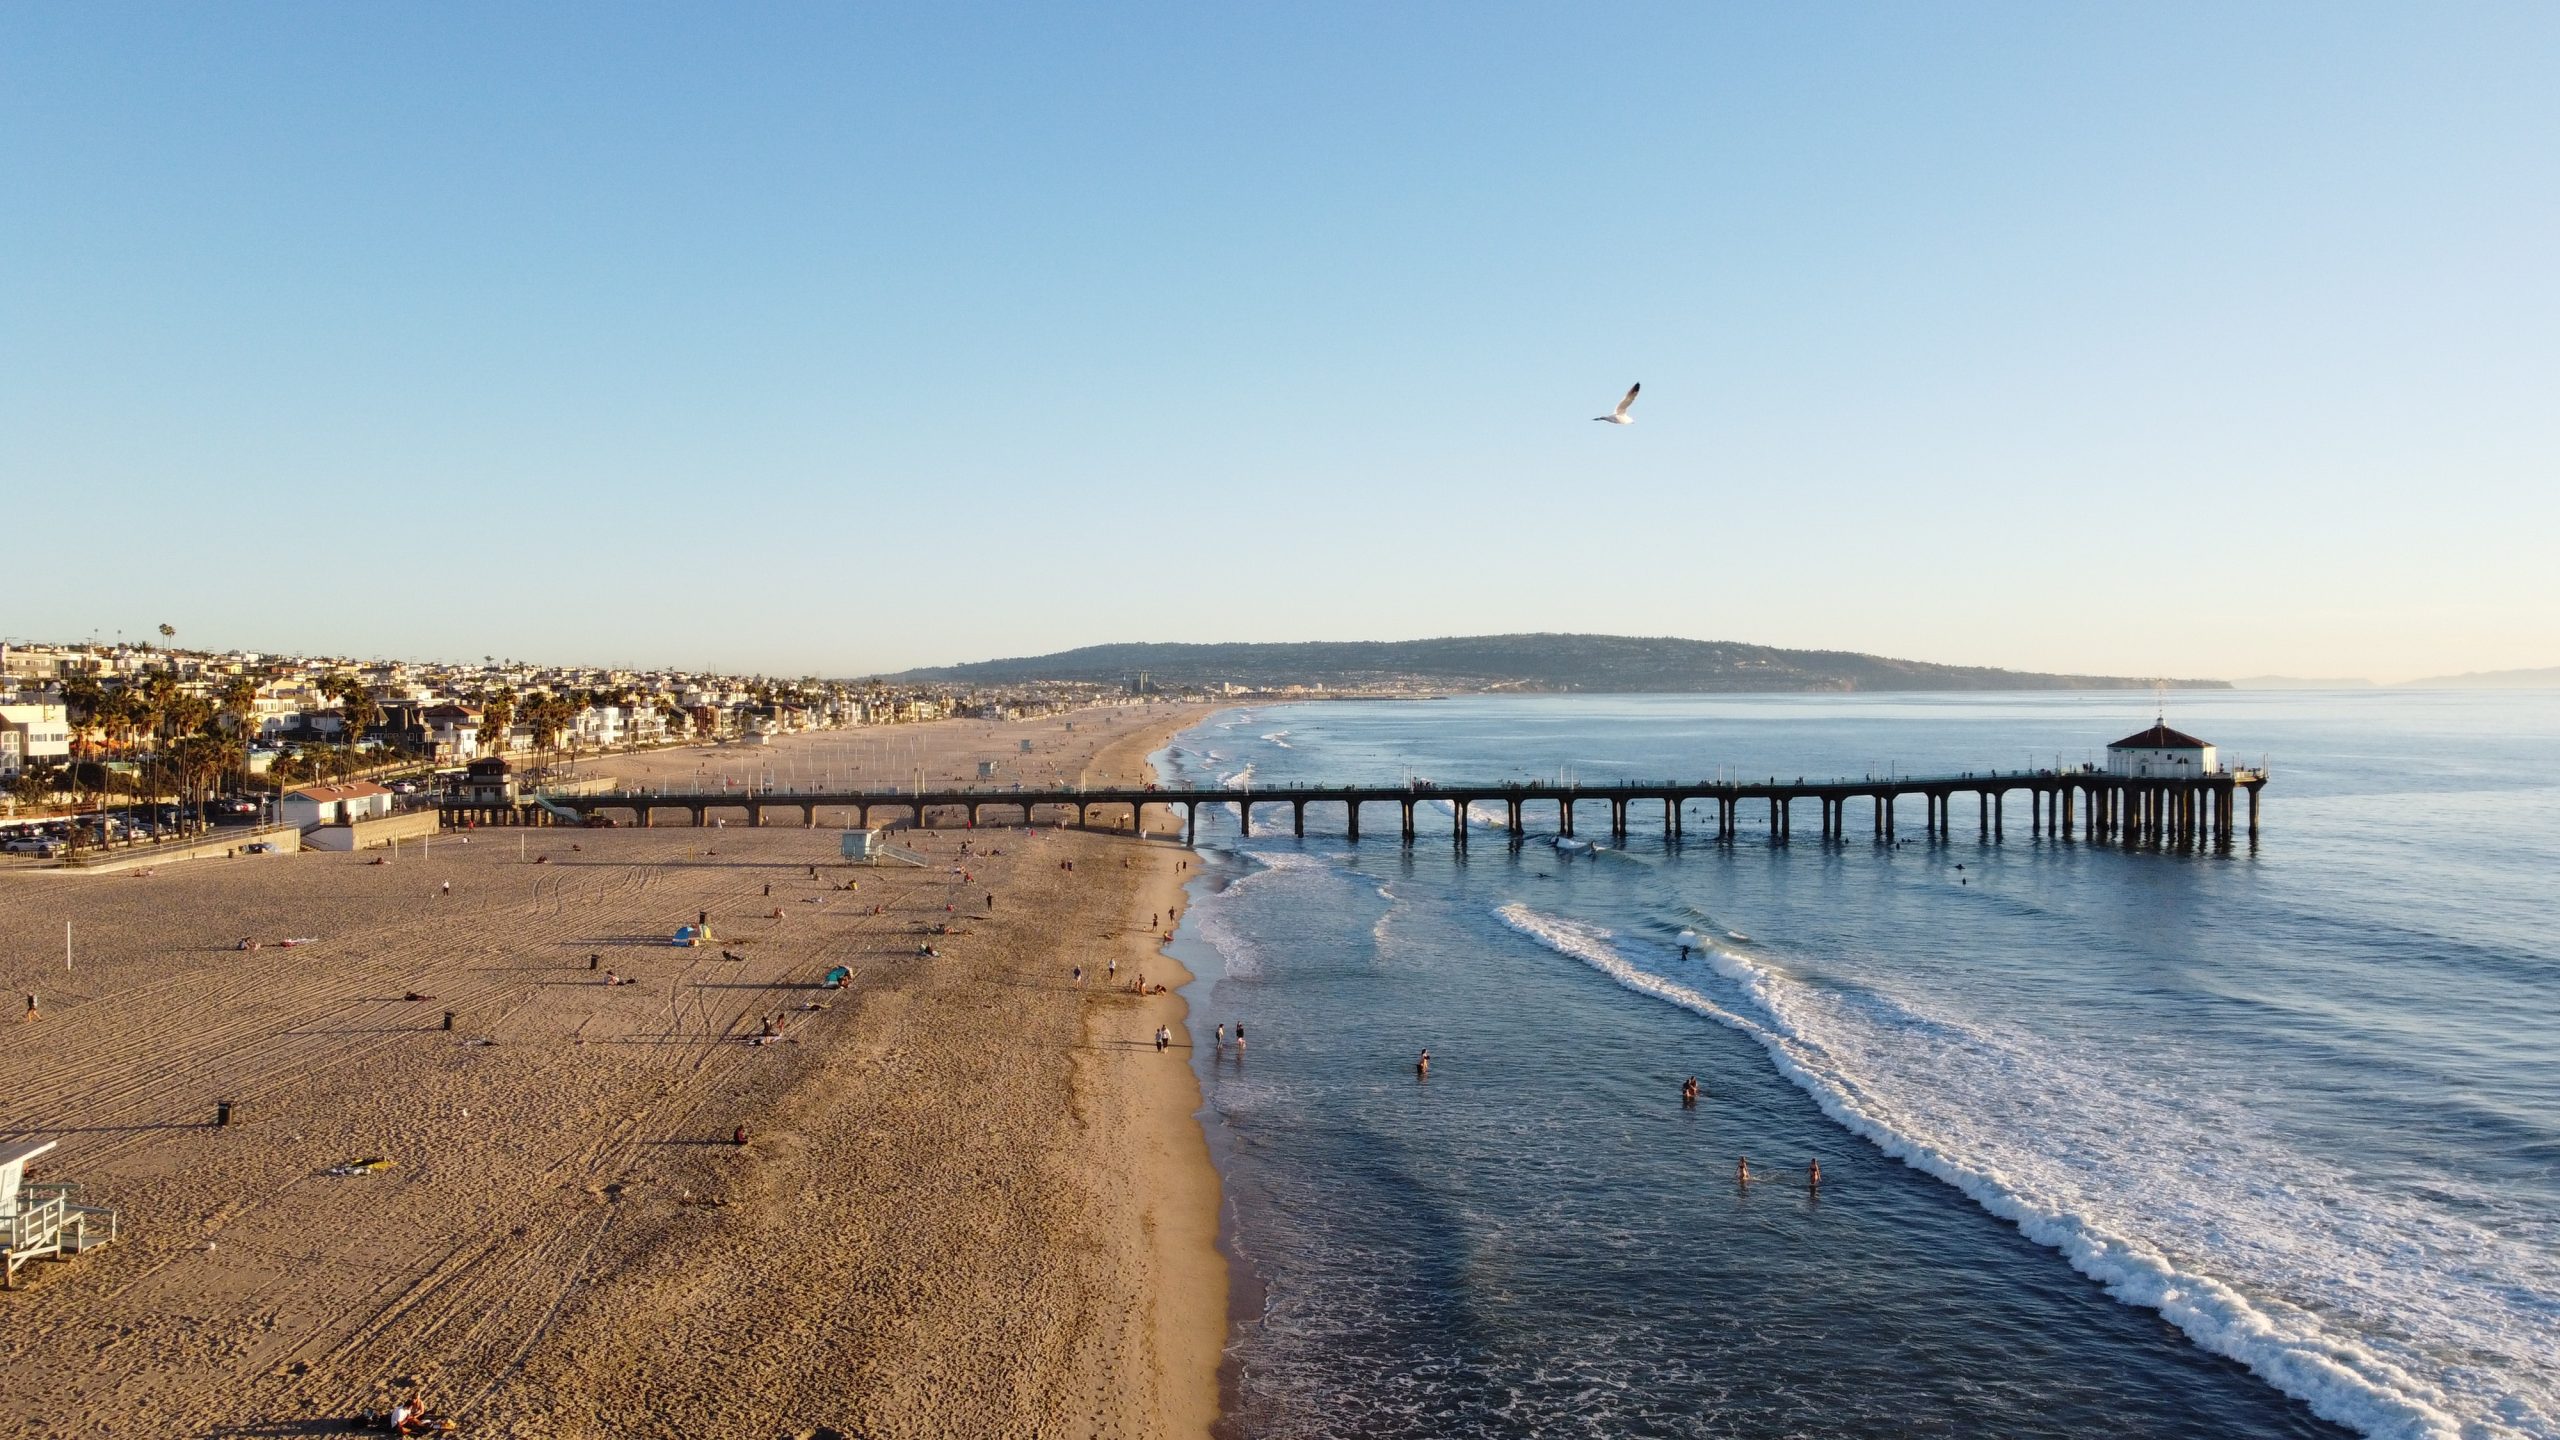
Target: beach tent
[(686, 935)]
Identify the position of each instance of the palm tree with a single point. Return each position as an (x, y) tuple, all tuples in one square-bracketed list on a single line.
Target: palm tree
[(84, 700), (358, 711), (197, 759), (550, 715), (497, 717)]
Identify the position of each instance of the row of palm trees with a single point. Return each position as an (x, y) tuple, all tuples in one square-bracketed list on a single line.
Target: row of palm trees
[(183, 743), (553, 715), (179, 742)]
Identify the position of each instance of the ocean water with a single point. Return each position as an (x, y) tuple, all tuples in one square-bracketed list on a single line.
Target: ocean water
[(2265, 1143)]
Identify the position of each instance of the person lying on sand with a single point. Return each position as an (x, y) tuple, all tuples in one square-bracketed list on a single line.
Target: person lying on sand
[(610, 978), (409, 1417)]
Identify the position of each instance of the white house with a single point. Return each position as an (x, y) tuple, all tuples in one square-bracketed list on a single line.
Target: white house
[(454, 730), (600, 726), (334, 804), (42, 730), (2161, 753)]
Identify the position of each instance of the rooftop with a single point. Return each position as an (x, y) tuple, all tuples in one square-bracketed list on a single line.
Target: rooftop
[(2161, 737), (351, 790)]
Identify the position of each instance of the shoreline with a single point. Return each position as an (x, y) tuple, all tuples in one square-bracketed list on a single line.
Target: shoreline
[(1191, 1319), (970, 1198)]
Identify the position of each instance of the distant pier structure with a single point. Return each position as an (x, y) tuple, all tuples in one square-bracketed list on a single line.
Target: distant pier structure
[(2159, 790)]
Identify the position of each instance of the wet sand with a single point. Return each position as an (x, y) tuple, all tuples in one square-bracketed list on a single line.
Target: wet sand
[(973, 1201)]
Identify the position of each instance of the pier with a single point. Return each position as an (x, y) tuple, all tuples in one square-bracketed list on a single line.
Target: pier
[(2091, 806)]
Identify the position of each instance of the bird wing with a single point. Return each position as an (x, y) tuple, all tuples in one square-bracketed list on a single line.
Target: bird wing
[(1631, 398)]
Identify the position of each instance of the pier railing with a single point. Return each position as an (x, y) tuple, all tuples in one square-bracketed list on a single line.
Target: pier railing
[(2087, 804)]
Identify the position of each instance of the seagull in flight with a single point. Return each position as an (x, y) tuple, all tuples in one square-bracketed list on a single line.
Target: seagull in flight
[(1620, 416)]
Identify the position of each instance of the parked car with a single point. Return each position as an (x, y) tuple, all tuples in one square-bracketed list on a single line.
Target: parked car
[(43, 846)]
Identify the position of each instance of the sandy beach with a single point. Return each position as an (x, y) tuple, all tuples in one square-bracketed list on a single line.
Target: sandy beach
[(973, 1198)]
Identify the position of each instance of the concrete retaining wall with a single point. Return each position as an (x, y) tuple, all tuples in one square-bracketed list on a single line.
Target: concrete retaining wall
[(285, 838), (371, 834)]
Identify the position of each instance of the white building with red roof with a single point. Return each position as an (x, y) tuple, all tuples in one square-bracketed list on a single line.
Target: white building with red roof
[(341, 804), (2161, 753)]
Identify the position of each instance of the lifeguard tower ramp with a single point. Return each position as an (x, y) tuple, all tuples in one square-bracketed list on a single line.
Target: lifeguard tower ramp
[(561, 813), (41, 1221), (872, 847)]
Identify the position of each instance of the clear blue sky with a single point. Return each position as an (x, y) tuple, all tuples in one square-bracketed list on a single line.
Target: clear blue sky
[(2149, 339)]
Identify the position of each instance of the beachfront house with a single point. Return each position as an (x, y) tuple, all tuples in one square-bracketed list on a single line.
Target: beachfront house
[(453, 731), (342, 804), (33, 732), (2161, 753)]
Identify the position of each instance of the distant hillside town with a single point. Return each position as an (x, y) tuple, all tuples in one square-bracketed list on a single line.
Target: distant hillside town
[(80, 723)]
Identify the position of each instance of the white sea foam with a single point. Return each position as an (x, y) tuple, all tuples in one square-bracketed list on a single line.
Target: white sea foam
[(2391, 1319), (1237, 780), (1479, 817), (1211, 921), (1280, 738)]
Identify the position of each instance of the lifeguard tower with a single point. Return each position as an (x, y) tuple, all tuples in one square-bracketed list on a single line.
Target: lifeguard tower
[(43, 1220), (872, 847)]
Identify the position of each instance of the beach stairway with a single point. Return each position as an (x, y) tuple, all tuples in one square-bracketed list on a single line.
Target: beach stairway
[(561, 813), (882, 850), (43, 1220)]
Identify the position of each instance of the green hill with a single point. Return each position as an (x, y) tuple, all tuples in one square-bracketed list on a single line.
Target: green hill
[(1609, 664)]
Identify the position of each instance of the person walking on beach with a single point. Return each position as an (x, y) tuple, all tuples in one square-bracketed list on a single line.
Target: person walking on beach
[(1079, 975), (445, 889), (1164, 1038), (32, 1013)]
